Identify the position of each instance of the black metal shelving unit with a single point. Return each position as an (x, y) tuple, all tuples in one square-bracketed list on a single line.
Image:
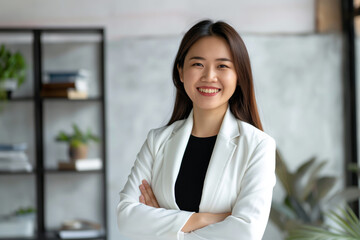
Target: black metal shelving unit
[(40, 171), (349, 86)]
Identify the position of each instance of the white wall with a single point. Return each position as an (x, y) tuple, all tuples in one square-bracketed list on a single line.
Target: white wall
[(162, 17)]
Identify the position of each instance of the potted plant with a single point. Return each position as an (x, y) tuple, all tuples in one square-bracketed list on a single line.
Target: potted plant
[(78, 142), (344, 224), (308, 195), (12, 71), (20, 223)]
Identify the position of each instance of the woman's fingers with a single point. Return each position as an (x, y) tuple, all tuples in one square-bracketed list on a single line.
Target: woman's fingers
[(147, 196), (142, 199), (151, 194)]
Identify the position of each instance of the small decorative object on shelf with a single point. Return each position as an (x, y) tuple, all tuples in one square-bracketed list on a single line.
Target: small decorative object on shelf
[(81, 164), (21, 223), (80, 229), (78, 142), (14, 158), (12, 71), (66, 84)]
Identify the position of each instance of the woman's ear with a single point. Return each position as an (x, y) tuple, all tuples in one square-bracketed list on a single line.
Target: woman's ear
[(180, 73)]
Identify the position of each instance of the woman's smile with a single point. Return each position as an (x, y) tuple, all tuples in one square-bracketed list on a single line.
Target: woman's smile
[(208, 91)]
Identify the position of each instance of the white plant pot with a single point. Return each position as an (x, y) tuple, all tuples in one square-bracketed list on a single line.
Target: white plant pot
[(10, 84), (18, 226)]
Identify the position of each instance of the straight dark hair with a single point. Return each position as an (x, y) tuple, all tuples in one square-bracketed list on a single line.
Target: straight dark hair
[(242, 102)]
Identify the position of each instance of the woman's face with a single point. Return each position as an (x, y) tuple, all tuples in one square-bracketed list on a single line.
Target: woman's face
[(209, 74)]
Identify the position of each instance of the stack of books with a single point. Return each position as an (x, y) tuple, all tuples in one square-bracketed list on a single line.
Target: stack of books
[(66, 84), (81, 164), (80, 229), (13, 157)]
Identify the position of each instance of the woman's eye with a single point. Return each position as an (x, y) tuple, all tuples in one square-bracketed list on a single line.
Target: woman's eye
[(223, 66), (197, 64)]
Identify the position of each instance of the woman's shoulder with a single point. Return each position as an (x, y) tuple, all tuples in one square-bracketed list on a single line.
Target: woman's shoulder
[(253, 134), (162, 134)]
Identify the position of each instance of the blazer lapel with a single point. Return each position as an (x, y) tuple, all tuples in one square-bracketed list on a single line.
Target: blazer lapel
[(173, 155), (222, 153)]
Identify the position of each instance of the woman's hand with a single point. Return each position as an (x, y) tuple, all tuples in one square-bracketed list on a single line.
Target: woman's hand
[(200, 220), (147, 196)]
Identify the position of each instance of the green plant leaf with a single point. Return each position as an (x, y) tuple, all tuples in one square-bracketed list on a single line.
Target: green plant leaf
[(62, 136), (303, 169), (298, 209), (323, 186), (347, 195), (283, 173), (77, 137), (311, 183), (284, 210), (277, 218)]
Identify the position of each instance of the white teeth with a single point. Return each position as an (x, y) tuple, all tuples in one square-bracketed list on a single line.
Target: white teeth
[(206, 90)]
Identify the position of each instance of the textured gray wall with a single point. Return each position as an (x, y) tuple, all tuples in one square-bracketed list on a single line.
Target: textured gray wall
[(298, 87)]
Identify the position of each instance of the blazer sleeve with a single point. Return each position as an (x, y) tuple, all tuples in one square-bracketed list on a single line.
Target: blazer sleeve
[(139, 221), (250, 213)]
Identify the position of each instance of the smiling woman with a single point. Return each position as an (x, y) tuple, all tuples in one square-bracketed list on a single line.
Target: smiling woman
[(209, 173)]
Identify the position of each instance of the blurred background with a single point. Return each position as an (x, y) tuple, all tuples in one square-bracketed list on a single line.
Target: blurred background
[(303, 60)]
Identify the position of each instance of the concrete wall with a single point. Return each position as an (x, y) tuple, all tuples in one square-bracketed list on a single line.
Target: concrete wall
[(298, 86)]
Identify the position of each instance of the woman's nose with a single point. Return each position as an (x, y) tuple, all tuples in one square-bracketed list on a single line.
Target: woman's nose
[(209, 75)]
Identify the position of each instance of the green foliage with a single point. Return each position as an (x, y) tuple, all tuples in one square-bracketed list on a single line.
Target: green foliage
[(306, 193), (12, 66), (77, 138), (23, 211), (345, 226)]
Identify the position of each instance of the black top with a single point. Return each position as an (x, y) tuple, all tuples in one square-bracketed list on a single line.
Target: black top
[(190, 181)]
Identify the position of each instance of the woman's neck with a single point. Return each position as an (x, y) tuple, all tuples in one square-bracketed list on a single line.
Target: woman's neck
[(207, 123)]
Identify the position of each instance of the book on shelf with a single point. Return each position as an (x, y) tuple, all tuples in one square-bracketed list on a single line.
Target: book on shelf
[(67, 76), (64, 93), (79, 85), (69, 73), (14, 166), (80, 229), (81, 164), (86, 233), (13, 146), (19, 156), (14, 160)]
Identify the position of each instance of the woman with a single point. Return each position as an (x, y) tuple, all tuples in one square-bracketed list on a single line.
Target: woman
[(208, 174)]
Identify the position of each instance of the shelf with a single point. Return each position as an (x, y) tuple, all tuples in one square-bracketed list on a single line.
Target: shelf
[(71, 37), (90, 99), (20, 99), (16, 173), (18, 238), (16, 38), (57, 171), (52, 235)]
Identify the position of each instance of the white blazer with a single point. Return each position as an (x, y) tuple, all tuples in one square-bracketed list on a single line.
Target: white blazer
[(239, 179)]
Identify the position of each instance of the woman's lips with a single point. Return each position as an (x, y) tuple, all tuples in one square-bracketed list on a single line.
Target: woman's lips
[(208, 91)]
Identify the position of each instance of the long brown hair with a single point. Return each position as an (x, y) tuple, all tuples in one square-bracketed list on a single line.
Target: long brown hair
[(242, 102)]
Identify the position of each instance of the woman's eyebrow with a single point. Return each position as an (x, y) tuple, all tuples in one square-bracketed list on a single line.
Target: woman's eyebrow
[(218, 59)]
